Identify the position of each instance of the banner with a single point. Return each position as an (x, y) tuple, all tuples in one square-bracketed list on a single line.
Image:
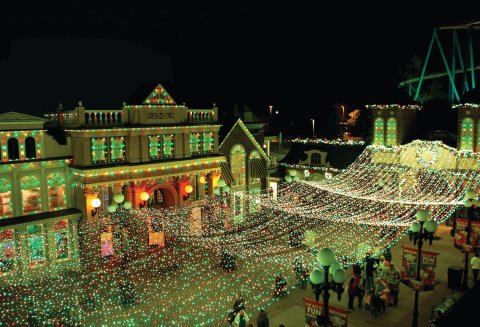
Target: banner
[(427, 269), (338, 316), (460, 239)]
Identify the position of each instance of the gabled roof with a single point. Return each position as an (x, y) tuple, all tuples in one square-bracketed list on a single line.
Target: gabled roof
[(13, 116), (240, 124), (151, 93)]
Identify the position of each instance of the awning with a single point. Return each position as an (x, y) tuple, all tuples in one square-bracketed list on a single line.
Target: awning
[(258, 168), (226, 173)]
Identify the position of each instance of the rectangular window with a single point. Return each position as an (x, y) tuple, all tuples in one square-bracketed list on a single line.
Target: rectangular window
[(61, 240), (117, 149), (195, 143), (31, 196), (7, 251), (154, 144), (5, 198), (208, 143), (36, 251), (161, 146), (99, 150), (168, 145), (56, 191)]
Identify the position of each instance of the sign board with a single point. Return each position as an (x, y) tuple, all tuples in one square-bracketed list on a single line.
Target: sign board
[(427, 269), (460, 239), (338, 316)]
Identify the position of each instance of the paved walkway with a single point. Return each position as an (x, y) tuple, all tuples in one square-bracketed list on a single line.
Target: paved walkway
[(290, 310)]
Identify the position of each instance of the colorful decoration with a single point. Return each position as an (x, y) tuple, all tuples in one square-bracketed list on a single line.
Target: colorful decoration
[(159, 96), (328, 141)]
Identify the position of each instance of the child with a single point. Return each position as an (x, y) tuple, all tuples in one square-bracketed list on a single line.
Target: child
[(368, 299)]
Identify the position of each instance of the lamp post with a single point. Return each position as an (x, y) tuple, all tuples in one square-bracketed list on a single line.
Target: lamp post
[(118, 213), (421, 231), (321, 283), (470, 201), (188, 190), (313, 127), (95, 204)]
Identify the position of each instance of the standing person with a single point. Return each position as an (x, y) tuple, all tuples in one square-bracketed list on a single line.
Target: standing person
[(352, 290), (262, 319), (239, 304), (241, 319), (298, 270), (475, 263), (369, 271)]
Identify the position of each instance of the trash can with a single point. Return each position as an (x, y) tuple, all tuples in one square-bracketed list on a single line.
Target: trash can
[(455, 277)]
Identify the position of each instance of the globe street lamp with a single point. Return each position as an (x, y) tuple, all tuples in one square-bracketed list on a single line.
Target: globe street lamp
[(421, 231), (95, 204), (144, 196), (470, 202), (321, 283)]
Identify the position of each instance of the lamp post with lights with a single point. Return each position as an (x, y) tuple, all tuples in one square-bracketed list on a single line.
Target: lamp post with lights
[(321, 283)]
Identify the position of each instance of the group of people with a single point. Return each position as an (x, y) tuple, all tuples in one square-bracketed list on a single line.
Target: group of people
[(381, 284), (239, 318)]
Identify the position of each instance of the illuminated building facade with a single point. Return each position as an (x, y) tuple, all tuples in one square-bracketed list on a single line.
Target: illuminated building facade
[(468, 127), (393, 124), (38, 219)]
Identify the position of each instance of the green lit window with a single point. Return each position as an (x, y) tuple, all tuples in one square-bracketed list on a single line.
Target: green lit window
[(117, 149), (61, 240), (154, 145), (7, 251), (466, 141), (99, 150), (208, 142), (36, 248), (5, 198), (31, 197), (168, 145), (56, 191), (391, 131), (161, 146), (379, 131), (195, 143), (237, 162)]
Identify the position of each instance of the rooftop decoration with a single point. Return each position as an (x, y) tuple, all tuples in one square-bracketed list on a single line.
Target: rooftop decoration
[(159, 96), (394, 106), (327, 141)]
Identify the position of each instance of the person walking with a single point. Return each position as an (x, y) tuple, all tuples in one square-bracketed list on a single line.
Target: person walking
[(393, 281), (475, 263), (241, 320), (262, 319), (369, 271)]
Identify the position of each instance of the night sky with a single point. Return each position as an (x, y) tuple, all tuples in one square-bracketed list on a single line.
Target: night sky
[(298, 56)]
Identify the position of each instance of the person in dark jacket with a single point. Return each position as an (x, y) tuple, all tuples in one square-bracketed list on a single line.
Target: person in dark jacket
[(262, 319)]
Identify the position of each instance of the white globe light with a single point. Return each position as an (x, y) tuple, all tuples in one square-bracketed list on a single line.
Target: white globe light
[(288, 178), (468, 203), (112, 207), (216, 190), (127, 205), (96, 203), (430, 226), (295, 178), (334, 266), (339, 276), (470, 194), (317, 276), (292, 173), (415, 227), (118, 198), (326, 257), (422, 215), (226, 189), (221, 182)]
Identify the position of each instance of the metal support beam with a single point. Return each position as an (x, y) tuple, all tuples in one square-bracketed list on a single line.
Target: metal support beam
[(417, 93), (450, 74)]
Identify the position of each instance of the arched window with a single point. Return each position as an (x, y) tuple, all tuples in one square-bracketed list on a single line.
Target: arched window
[(13, 153), (466, 134), (237, 162), (253, 155), (391, 131), (379, 131), (30, 152)]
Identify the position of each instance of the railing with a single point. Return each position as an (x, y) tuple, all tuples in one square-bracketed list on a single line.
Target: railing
[(201, 115), (103, 117)]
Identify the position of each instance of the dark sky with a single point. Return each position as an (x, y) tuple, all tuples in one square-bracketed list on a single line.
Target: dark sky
[(296, 56)]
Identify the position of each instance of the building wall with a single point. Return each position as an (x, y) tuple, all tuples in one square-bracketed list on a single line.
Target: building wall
[(465, 133), (405, 123)]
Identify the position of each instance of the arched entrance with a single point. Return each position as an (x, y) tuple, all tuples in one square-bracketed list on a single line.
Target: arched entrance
[(162, 196)]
